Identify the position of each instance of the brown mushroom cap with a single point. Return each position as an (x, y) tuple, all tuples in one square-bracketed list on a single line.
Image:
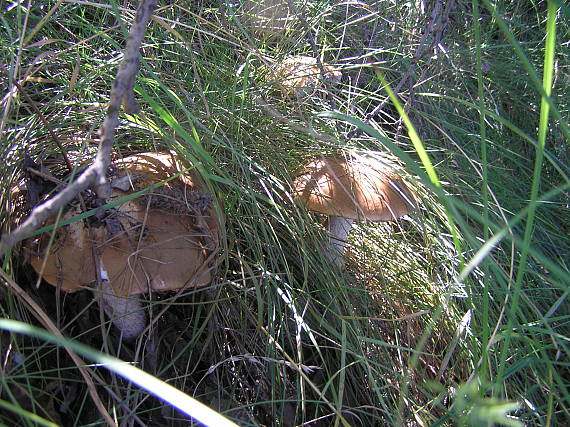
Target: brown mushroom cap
[(362, 188), (159, 241), (300, 74)]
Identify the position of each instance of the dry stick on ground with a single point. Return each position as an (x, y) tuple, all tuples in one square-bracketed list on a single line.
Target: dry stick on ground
[(95, 174)]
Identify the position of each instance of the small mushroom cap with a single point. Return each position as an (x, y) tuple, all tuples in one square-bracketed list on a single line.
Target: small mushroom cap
[(362, 188), (299, 74), (160, 240)]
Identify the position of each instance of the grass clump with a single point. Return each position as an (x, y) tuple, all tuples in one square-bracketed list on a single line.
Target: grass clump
[(455, 315)]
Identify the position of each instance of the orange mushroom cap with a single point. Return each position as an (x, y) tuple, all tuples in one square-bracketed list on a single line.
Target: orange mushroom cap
[(362, 188), (298, 73), (159, 241)]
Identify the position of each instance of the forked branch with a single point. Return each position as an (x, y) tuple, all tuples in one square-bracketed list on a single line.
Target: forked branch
[(95, 174)]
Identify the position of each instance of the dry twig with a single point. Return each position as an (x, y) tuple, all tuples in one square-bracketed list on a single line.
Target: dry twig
[(95, 174)]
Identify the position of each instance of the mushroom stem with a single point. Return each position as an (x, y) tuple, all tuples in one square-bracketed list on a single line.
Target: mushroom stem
[(126, 313), (338, 228)]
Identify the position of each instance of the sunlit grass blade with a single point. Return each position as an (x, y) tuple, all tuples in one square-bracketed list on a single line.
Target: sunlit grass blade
[(548, 74), (26, 414), (164, 391), (533, 75)]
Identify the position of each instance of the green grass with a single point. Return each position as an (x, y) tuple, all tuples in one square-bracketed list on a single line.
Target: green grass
[(456, 315)]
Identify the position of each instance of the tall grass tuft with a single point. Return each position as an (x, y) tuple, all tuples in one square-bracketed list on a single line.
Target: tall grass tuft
[(456, 314)]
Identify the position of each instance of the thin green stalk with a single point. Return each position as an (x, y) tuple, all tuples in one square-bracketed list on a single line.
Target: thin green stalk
[(528, 66), (42, 22), (561, 168), (542, 131), (484, 322), (426, 162), (342, 376), (29, 416), (430, 170)]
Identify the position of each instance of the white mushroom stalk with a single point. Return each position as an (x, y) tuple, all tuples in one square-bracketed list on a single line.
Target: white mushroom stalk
[(338, 228), (126, 313)]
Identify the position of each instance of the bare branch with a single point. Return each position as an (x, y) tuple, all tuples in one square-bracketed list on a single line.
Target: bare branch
[(121, 93)]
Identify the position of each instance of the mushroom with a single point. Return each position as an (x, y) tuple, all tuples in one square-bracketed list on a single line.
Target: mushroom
[(348, 190), (300, 75), (159, 241)]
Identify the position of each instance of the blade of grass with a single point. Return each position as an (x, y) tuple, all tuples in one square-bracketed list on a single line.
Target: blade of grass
[(529, 67), (153, 385), (484, 323), (424, 157), (560, 167), (542, 131), (46, 321), (27, 414)]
